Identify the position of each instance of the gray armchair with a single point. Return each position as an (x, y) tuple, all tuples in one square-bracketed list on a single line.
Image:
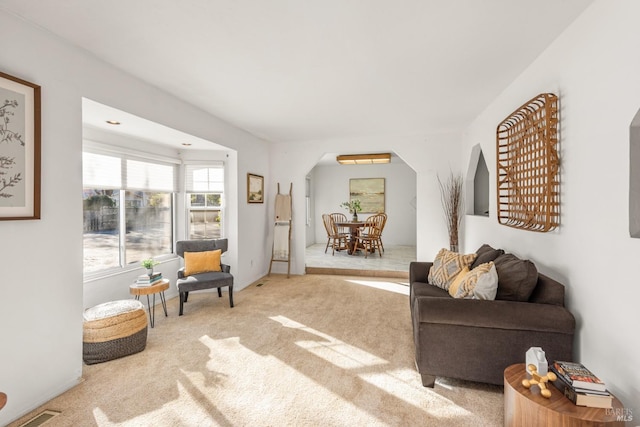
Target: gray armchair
[(200, 281)]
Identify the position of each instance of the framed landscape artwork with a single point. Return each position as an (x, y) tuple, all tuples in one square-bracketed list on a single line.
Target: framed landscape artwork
[(255, 188), (19, 149), (370, 192)]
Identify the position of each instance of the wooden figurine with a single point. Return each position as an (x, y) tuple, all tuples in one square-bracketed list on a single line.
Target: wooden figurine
[(539, 380)]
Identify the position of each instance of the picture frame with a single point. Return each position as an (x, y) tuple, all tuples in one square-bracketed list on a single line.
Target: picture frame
[(255, 188), (20, 154), (370, 192)]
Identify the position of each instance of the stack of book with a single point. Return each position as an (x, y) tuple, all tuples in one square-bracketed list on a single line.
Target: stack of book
[(148, 280), (580, 385)]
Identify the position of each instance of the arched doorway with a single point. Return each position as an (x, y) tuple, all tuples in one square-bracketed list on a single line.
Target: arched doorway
[(327, 186)]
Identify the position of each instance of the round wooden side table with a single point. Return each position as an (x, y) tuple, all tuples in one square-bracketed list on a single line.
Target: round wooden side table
[(527, 407), (3, 400), (156, 288)]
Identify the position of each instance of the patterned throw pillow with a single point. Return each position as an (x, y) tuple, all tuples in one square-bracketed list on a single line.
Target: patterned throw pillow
[(479, 283), (455, 285), (446, 266)]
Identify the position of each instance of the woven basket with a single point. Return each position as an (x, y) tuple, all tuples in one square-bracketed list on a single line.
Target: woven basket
[(113, 330)]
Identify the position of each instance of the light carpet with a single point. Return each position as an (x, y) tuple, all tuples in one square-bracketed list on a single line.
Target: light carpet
[(305, 351)]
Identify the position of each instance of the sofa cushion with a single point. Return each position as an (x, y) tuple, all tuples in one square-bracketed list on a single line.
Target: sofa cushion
[(485, 254), (446, 266), (517, 278), (426, 290), (479, 283)]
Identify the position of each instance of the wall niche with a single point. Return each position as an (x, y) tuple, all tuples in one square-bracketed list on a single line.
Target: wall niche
[(477, 186), (634, 177)]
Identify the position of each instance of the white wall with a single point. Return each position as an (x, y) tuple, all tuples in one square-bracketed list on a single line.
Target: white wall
[(331, 184), (41, 292), (593, 67), (427, 155)]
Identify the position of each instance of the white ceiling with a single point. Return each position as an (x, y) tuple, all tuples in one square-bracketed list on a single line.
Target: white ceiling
[(296, 70)]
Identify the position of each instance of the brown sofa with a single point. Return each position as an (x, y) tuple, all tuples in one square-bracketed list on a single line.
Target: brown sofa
[(476, 340)]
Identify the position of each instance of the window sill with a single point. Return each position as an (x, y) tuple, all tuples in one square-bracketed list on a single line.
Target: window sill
[(114, 272)]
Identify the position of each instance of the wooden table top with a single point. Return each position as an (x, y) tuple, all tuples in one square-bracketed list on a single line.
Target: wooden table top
[(558, 404), (161, 286), (350, 224), (3, 400)]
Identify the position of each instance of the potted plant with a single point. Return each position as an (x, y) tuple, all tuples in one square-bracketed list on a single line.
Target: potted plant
[(149, 263), (352, 206)]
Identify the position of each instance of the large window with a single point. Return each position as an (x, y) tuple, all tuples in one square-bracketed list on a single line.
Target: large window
[(205, 197), (128, 210)]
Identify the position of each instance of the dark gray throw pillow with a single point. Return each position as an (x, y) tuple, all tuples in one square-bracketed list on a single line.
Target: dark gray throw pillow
[(517, 278), (485, 254)]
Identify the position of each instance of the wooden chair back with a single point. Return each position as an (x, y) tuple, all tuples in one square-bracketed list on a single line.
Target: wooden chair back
[(339, 217), (372, 226), (329, 225)]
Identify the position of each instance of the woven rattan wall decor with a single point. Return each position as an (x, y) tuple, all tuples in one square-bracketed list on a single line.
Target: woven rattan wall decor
[(527, 166)]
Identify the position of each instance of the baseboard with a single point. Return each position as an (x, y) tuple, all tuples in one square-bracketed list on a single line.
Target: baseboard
[(357, 272)]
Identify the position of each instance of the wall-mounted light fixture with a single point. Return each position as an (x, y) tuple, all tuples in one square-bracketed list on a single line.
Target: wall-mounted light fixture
[(364, 159)]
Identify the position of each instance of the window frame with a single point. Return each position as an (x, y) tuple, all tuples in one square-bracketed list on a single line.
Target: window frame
[(189, 189), (125, 154)]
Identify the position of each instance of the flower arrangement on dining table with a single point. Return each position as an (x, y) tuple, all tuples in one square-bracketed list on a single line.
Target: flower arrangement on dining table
[(352, 206)]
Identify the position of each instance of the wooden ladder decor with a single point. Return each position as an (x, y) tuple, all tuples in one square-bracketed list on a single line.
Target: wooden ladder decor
[(281, 250), (527, 166)]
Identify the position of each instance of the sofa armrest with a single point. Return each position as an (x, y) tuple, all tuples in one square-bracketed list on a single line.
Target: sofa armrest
[(419, 271), (496, 314)]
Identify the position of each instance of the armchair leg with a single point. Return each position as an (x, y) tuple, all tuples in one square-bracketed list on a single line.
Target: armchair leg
[(186, 296), (428, 380), (183, 298), (219, 292), (230, 295)]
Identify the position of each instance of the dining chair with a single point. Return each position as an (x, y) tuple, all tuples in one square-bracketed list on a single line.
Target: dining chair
[(337, 240), (340, 217), (384, 222), (368, 237)]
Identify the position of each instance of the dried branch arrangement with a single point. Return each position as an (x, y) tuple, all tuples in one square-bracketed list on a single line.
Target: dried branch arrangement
[(527, 166), (453, 206)]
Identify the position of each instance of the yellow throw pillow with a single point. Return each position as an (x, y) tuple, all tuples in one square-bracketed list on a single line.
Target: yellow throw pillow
[(446, 267), (202, 262), (453, 287)]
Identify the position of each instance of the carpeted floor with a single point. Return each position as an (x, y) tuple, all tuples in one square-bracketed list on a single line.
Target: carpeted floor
[(306, 351)]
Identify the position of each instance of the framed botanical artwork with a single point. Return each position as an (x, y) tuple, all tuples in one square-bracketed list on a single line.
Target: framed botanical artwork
[(370, 192), (19, 149), (255, 188)]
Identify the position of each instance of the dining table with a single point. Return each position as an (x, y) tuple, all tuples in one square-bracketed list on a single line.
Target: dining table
[(353, 227)]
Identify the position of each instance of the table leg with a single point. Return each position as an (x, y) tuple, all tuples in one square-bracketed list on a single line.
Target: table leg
[(164, 303), (151, 317), (352, 241)]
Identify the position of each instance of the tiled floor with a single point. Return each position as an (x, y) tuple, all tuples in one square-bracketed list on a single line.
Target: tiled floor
[(394, 261)]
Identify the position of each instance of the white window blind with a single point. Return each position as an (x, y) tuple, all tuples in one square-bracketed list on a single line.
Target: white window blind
[(104, 171), (149, 176), (101, 171), (204, 179)]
